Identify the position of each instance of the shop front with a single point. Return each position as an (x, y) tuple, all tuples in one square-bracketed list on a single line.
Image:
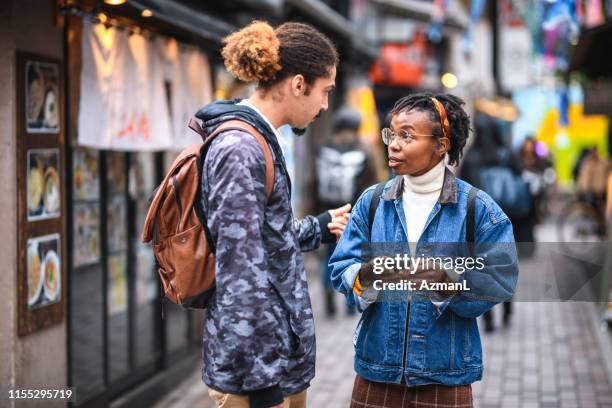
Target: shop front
[(130, 95), (95, 99), (95, 105)]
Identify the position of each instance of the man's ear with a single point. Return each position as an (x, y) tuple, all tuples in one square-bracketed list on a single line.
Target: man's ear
[(298, 85)]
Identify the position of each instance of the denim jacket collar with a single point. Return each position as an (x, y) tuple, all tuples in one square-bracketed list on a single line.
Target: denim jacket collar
[(447, 195)]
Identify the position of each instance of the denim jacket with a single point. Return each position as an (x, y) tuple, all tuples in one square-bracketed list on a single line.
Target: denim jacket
[(421, 338)]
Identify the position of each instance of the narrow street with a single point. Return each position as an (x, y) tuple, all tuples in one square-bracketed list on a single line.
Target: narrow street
[(109, 111)]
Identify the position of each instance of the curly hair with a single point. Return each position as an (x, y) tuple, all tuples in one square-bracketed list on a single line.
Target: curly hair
[(260, 53), (459, 120)]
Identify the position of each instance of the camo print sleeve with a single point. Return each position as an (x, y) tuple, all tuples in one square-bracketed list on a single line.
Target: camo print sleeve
[(239, 338), (308, 232)]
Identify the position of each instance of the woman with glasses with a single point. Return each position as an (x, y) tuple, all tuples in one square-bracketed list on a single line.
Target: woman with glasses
[(423, 256)]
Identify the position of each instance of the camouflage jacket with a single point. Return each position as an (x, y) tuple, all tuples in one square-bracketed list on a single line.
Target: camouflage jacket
[(258, 330)]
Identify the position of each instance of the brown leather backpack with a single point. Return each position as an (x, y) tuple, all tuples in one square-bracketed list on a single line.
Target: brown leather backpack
[(176, 223)]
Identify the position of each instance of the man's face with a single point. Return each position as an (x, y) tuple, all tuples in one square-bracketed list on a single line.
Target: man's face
[(310, 101)]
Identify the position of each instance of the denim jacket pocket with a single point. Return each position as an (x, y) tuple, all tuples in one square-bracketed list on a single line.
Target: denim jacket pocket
[(440, 347), (373, 335)]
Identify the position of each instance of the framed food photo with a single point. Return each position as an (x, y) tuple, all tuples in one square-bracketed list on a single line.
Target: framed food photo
[(44, 284), (86, 179), (41, 201), (86, 234), (41, 283), (42, 97), (117, 284), (43, 184)]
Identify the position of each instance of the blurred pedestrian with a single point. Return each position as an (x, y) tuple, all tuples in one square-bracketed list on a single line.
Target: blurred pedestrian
[(422, 348), (492, 166), (592, 180), (344, 169), (538, 172), (584, 152), (533, 170), (259, 344)]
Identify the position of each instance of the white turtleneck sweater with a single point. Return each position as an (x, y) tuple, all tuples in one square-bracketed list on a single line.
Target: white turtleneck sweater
[(418, 199)]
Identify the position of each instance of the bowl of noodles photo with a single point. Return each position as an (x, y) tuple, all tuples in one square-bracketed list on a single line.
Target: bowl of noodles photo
[(51, 193), (35, 273), (51, 268)]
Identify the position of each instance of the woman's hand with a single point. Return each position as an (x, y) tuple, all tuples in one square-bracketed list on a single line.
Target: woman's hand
[(340, 217), (430, 275), (367, 275), (433, 275), (375, 270)]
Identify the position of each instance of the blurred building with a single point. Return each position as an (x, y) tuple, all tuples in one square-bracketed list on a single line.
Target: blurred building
[(414, 52)]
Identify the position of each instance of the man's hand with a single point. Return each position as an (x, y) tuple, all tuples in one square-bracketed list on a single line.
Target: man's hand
[(340, 217)]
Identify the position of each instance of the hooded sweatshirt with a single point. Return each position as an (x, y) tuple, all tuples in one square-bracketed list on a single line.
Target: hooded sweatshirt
[(259, 331)]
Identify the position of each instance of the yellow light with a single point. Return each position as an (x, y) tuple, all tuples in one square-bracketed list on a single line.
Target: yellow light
[(449, 80), (102, 17), (146, 13), (114, 2)]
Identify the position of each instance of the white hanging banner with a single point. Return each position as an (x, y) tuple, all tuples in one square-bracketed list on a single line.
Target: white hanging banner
[(188, 80), (138, 94), (123, 104)]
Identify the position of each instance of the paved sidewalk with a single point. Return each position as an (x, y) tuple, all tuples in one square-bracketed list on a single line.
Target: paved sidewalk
[(547, 357)]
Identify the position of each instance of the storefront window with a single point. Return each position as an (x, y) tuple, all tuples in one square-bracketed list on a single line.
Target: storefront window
[(87, 283), (116, 266), (117, 330), (121, 333), (141, 185)]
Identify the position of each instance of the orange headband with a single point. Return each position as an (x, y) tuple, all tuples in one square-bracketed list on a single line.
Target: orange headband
[(443, 118)]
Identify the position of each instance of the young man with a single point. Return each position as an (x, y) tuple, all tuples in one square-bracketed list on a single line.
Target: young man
[(259, 344)]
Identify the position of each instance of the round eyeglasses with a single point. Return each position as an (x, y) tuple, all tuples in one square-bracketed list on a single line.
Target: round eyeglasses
[(404, 137)]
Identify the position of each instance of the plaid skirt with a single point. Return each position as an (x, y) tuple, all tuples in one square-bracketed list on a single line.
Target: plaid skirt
[(369, 394)]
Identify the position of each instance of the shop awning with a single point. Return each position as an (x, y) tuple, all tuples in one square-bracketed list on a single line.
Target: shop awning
[(592, 54), (419, 11), (185, 18), (333, 21)]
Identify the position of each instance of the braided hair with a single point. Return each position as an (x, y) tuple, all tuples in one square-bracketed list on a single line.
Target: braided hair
[(458, 119)]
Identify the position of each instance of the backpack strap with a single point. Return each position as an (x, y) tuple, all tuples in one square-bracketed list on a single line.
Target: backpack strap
[(374, 205), (470, 218), (236, 124)]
